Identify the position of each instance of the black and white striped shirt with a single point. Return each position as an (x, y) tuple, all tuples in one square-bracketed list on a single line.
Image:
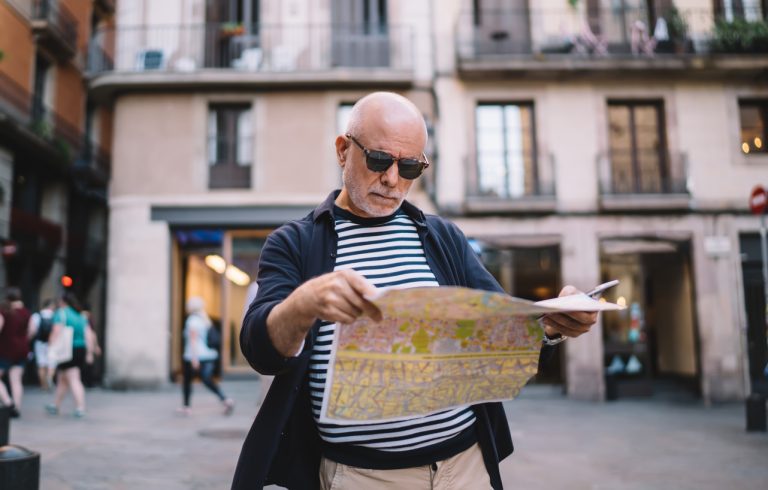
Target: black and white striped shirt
[(389, 253)]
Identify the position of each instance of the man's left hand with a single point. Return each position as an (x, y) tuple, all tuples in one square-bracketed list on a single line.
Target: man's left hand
[(571, 324)]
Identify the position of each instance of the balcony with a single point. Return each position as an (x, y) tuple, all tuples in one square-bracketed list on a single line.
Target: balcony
[(260, 55), (517, 183), (94, 163), (54, 28), (611, 41), (643, 180), (31, 127)]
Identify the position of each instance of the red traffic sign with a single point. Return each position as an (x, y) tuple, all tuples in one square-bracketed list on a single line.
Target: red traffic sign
[(758, 200)]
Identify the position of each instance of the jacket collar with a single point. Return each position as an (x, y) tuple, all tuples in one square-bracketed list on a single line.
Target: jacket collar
[(327, 208)]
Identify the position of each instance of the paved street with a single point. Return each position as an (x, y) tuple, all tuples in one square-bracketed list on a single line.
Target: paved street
[(134, 440)]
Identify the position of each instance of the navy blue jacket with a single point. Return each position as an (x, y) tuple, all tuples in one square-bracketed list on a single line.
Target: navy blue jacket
[(283, 446)]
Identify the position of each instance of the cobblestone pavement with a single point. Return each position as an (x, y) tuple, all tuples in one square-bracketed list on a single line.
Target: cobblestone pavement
[(135, 440)]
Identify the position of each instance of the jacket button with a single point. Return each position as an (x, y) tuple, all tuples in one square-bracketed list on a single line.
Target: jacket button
[(333, 255)]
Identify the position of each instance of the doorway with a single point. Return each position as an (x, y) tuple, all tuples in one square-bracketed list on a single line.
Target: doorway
[(652, 345), (219, 266)]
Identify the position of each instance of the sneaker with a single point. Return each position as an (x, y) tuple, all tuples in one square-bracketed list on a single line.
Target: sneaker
[(14, 412), (52, 409), (184, 411), (229, 406), (78, 413)]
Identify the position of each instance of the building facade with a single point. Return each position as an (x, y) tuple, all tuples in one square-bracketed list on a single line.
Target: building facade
[(572, 142), (54, 153)]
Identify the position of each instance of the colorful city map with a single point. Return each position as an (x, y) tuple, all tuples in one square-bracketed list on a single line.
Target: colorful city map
[(434, 349)]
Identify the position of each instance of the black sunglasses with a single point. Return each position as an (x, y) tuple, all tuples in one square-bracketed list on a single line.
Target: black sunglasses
[(380, 161)]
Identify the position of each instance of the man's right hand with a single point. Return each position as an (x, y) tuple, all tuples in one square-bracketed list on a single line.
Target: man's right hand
[(337, 297)]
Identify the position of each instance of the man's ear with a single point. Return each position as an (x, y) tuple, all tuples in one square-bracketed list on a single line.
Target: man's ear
[(342, 146)]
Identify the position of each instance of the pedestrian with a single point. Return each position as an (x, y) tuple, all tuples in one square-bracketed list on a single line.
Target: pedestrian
[(42, 325), (15, 334), (69, 372), (199, 357), (315, 272)]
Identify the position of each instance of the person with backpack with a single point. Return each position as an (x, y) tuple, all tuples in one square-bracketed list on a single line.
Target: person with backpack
[(42, 325), (201, 341)]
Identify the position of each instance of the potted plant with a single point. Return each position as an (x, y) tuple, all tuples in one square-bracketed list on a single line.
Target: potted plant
[(740, 36), (230, 29), (677, 27)]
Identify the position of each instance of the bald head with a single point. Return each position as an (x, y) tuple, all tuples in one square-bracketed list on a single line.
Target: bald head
[(381, 122), (380, 114)]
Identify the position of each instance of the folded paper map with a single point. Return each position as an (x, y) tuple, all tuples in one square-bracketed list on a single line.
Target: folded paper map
[(435, 349)]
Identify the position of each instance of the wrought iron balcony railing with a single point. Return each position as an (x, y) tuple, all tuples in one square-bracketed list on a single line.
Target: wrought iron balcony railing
[(511, 176), (55, 26), (250, 48), (30, 112), (642, 172), (610, 32)]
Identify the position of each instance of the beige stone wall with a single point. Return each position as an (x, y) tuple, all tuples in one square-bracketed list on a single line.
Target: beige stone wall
[(138, 297)]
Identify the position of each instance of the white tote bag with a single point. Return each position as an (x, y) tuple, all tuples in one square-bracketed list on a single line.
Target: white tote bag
[(60, 351)]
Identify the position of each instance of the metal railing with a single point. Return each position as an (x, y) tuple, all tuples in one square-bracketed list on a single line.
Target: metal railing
[(95, 157), (60, 20), (625, 172), (14, 98), (31, 112), (618, 32), (250, 48), (511, 176)]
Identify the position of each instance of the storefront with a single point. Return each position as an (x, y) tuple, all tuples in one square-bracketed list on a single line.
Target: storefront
[(654, 340), (220, 267)]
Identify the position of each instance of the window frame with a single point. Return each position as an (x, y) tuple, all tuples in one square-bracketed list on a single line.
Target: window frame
[(665, 171), (229, 173), (762, 106), (531, 105)]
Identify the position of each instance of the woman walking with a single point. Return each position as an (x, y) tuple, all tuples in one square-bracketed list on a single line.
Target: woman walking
[(198, 356), (68, 373), (15, 332)]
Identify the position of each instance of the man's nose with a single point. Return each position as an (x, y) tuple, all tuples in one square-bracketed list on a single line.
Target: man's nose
[(390, 177)]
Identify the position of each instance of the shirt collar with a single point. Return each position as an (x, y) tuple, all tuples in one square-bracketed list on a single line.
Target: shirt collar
[(327, 208)]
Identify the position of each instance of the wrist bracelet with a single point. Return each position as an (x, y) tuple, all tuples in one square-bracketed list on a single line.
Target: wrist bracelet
[(554, 340)]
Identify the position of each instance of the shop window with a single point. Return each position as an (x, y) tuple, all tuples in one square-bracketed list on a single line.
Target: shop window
[(753, 116), (230, 146)]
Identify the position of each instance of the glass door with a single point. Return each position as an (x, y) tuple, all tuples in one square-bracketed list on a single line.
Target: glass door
[(242, 249)]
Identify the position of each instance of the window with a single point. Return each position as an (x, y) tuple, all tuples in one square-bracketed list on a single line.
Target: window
[(751, 10), (342, 117), (506, 150), (230, 146), (638, 157), (359, 33), (753, 116)]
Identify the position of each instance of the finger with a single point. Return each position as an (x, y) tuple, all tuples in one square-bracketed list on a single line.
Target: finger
[(335, 315), (568, 320), (372, 310), (569, 291), (359, 283), (582, 317), (563, 327), (345, 301), (355, 293)]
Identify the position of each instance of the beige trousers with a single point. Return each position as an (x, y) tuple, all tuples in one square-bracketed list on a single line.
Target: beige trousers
[(465, 471)]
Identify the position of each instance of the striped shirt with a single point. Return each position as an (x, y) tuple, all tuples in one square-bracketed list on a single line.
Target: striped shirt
[(388, 252)]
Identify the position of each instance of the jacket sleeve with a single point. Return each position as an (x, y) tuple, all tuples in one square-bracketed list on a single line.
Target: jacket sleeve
[(279, 275)]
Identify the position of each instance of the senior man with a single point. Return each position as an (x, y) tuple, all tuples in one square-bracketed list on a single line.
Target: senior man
[(316, 272)]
